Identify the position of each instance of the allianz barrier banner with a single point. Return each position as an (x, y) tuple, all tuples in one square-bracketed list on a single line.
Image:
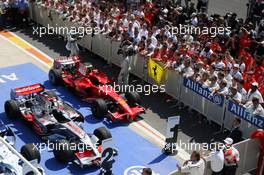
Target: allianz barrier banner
[(242, 113), (204, 92)]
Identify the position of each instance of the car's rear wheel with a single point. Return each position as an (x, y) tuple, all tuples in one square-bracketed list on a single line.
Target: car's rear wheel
[(99, 108), (102, 133), (32, 173), (30, 152), (133, 98), (62, 151), (55, 76), (12, 109)]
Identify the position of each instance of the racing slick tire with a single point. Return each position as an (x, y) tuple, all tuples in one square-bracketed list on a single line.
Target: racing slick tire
[(30, 152), (133, 98), (102, 133), (32, 172), (99, 108), (51, 94), (12, 109), (55, 76), (62, 151)]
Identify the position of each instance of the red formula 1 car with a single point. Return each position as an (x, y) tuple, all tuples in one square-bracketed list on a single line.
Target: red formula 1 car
[(94, 87)]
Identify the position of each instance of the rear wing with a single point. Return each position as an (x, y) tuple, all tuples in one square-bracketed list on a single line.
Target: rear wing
[(26, 90), (62, 61)]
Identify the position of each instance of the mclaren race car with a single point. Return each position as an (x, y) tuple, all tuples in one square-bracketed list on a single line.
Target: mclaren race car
[(13, 162), (94, 87), (58, 123)]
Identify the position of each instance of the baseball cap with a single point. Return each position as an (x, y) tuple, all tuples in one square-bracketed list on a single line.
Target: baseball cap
[(255, 84), (236, 66), (228, 141)]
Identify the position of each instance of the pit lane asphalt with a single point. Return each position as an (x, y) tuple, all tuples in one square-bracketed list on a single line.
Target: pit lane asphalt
[(160, 106)]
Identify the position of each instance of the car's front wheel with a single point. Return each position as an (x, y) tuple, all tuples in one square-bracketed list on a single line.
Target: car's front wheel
[(62, 151), (30, 152), (55, 76), (133, 98), (102, 134), (99, 108)]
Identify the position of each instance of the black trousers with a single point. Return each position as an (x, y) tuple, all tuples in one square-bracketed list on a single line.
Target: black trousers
[(230, 170), (217, 173)]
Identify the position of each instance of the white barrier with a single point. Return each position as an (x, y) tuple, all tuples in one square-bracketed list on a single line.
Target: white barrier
[(246, 127), (172, 81), (115, 58)]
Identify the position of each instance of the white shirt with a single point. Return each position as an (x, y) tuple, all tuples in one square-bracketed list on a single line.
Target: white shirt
[(254, 94), (206, 55), (224, 91), (219, 65), (254, 111), (237, 75), (143, 32), (194, 168), (238, 97), (217, 160)]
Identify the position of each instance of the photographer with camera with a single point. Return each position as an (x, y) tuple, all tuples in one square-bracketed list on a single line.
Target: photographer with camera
[(72, 43), (127, 51)]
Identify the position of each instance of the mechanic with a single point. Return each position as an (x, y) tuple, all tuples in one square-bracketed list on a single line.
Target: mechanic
[(231, 157), (259, 134), (216, 159), (123, 77), (72, 44)]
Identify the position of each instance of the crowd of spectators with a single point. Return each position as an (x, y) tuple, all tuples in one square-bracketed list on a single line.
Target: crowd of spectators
[(13, 12), (229, 63)]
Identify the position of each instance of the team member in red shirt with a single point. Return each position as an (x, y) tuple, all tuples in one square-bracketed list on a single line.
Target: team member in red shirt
[(244, 39), (259, 134), (249, 79), (247, 58), (215, 45)]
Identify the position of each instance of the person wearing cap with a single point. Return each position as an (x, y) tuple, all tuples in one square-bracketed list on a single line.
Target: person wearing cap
[(231, 155), (259, 134), (235, 72), (254, 92), (216, 159), (254, 107), (235, 95)]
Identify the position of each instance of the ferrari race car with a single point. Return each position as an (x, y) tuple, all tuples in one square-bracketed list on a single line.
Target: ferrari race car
[(94, 87), (58, 123), (13, 162)]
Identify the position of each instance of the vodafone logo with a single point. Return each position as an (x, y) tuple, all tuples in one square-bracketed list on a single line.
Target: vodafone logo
[(136, 170), (28, 88)]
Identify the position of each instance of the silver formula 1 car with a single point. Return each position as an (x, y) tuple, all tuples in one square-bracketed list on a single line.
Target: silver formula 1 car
[(58, 123)]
